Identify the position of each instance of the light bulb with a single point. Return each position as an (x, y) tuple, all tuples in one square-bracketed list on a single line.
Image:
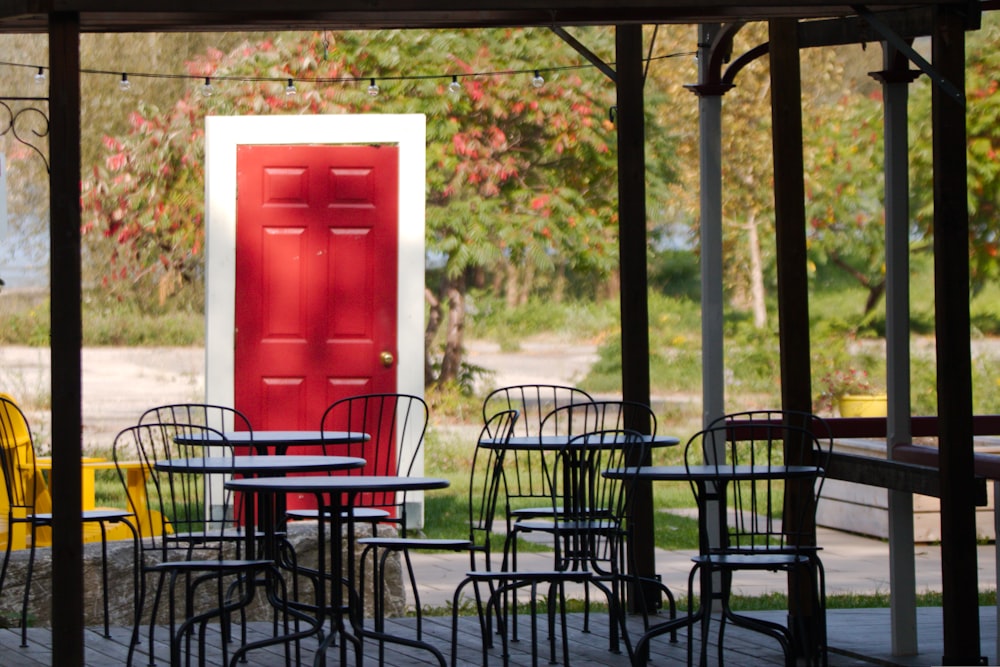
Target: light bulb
[(373, 89), (124, 85), (537, 81), (290, 88), (40, 76), (455, 87), (207, 90)]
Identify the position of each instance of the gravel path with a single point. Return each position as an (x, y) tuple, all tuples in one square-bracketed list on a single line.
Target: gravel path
[(120, 383)]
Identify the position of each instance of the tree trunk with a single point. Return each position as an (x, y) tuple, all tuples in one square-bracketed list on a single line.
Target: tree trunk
[(430, 333), (526, 283), (451, 363), (511, 284), (757, 293)]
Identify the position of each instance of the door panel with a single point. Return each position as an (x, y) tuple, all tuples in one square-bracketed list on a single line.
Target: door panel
[(316, 278)]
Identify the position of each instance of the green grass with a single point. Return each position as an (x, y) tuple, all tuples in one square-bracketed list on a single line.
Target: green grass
[(448, 454), (105, 323)]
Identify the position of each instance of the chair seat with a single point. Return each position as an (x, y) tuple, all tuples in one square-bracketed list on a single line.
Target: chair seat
[(574, 576), (415, 543), (746, 561), (357, 513), (89, 515), (208, 564), (532, 512)]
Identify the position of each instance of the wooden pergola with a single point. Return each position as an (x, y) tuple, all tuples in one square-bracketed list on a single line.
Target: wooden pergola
[(889, 21)]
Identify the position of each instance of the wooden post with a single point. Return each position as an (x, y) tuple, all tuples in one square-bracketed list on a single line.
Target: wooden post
[(959, 582), (793, 294), (630, 120), (66, 337)]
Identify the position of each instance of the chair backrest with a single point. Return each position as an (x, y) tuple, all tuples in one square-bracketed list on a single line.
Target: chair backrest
[(22, 483), (819, 428), (486, 481), (591, 528), (527, 482), (776, 508), (533, 402), (397, 424), (187, 509), (596, 416), (218, 417)]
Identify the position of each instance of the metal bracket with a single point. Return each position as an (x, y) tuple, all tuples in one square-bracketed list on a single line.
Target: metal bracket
[(9, 124), (903, 47)]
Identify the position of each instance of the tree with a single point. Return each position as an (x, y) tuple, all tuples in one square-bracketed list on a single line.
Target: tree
[(845, 191), (521, 180), (982, 87)]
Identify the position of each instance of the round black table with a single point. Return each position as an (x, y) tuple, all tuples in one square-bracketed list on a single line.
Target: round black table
[(280, 441), (333, 495), (556, 442)]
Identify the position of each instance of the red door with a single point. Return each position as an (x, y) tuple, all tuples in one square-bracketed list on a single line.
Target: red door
[(316, 278)]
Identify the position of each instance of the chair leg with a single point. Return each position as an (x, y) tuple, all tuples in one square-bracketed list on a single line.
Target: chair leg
[(104, 576), (27, 588), (6, 556), (416, 593)]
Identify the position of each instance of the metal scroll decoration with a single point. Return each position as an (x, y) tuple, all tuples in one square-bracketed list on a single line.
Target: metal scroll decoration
[(25, 122)]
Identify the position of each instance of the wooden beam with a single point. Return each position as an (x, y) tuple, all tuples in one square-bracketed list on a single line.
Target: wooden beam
[(237, 15)]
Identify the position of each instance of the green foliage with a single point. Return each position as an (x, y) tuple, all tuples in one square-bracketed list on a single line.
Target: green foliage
[(845, 210), (25, 319), (676, 273), (982, 120), (492, 319)]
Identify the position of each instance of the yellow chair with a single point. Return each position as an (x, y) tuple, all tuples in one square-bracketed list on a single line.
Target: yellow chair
[(27, 504)]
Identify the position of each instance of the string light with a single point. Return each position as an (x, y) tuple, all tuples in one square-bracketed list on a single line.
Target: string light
[(454, 87)]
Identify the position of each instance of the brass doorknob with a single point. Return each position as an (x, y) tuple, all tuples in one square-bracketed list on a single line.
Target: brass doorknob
[(387, 359)]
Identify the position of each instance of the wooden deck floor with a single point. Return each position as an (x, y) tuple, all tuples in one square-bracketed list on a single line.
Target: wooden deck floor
[(857, 637)]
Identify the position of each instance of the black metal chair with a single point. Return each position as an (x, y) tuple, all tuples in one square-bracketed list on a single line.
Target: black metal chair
[(485, 480), (528, 490), (587, 526), (184, 543), (761, 472), (396, 424), (563, 424), (590, 523), (29, 504)]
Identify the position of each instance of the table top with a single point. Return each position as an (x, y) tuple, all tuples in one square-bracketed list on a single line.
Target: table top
[(337, 484), (546, 442), (293, 437), (262, 464), (711, 472), (279, 440)]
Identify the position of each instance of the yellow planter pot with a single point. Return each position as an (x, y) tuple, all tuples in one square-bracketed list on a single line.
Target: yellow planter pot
[(863, 406)]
